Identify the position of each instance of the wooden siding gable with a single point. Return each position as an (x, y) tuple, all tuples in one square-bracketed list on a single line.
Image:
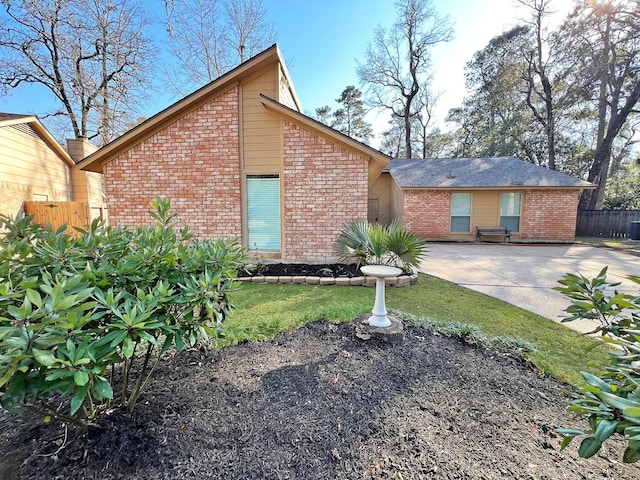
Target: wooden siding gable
[(261, 133), (286, 94), (30, 161), (31, 126)]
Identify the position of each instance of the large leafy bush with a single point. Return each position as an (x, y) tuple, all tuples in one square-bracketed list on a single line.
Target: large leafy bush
[(81, 314), (612, 401), (366, 244)]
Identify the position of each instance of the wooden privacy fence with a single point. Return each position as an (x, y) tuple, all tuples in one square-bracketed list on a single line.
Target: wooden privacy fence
[(606, 223), (71, 214)]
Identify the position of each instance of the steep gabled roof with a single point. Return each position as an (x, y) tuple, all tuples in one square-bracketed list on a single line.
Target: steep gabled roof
[(149, 127), (377, 160), (31, 125), (496, 172)]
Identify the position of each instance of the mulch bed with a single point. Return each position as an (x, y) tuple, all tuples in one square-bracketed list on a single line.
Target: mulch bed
[(320, 403), (311, 270)]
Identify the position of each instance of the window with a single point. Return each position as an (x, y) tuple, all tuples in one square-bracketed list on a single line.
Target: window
[(510, 210), (263, 212), (460, 212)]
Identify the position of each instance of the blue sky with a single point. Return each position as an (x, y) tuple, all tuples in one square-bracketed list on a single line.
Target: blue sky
[(321, 40)]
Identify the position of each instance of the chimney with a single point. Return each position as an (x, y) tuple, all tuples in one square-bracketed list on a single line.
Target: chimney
[(86, 186), (79, 148)]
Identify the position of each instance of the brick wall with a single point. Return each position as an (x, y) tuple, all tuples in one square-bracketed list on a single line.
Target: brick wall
[(426, 213), (194, 162), (325, 186), (549, 215)]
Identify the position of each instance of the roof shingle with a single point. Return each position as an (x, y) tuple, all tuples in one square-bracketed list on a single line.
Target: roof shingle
[(478, 173)]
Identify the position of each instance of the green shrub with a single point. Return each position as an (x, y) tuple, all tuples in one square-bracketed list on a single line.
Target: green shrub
[(366, 244), (612, 402), (77, 312)]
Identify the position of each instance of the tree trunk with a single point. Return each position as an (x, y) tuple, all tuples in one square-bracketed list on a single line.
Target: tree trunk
[(424, 141), (550, 123), (588, 197), (599, 171), (407, 128)]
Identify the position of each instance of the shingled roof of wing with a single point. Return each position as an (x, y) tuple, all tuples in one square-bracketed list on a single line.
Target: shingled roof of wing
[(478, 173)]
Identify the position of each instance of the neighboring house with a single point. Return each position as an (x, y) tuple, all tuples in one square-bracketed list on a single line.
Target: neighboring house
[(238, 158), (34, 167), (446, 198)]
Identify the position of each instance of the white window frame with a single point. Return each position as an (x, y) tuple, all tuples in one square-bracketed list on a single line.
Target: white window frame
[(263, 213), (458, 212), (511, 210)]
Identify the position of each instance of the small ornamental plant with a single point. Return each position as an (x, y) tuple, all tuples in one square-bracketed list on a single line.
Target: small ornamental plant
[(364, 243), (611, 401), (86, 318)]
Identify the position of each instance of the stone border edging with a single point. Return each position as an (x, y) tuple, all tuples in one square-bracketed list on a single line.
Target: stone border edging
[(366, 281)]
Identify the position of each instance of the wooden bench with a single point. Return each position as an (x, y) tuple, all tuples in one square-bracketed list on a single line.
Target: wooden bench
[(493, 232)]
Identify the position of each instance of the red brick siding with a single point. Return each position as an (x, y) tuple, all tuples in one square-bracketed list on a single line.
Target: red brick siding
[(426, 213), (549, 215), (194, 162), (325, 186), (546, 214)]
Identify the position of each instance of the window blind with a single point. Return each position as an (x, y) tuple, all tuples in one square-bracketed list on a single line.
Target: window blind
[(510, 210), (263, 212), (460, 212)]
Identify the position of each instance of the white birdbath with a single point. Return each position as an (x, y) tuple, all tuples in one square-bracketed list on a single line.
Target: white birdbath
[(380, 272)]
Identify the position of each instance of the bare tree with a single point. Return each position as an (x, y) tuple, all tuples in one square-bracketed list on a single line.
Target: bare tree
[(397, 62), (249, 32), (539, 82), (210, 37), (91, 54), (392, 140), (427, 101)]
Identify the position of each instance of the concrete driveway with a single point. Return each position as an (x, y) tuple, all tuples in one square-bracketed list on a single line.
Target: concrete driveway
[(524, 275)]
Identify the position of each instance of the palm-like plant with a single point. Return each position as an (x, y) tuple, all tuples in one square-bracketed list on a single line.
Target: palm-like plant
[(367, 244)]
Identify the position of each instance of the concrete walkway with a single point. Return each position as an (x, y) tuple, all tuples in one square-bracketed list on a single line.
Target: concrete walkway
[(524, 275)]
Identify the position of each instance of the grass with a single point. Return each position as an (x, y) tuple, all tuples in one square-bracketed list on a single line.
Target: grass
[(617, 243), (262, 311)]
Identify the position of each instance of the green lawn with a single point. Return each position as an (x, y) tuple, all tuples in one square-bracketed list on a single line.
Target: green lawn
[(617, 243), (262, 311)]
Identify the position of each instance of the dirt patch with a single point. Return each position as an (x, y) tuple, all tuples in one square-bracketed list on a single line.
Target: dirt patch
[(319, 403)]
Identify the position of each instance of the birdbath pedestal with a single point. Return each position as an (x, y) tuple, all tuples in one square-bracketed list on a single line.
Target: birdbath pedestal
[(380, 272)]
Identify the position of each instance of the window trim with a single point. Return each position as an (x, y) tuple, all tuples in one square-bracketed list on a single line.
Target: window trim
[(518, 216), (275, 211), (468, 216)]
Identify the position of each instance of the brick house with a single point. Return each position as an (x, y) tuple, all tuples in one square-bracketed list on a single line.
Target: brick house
[(446, 198), (238, 158)]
